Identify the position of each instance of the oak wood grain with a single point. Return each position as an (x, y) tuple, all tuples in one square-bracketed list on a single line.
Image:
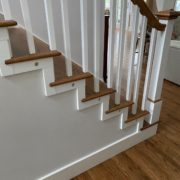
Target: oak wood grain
[(120, 106), (31, 57), (7, 23), (71, 79), (138, 115), (99, 94), (145, 11)]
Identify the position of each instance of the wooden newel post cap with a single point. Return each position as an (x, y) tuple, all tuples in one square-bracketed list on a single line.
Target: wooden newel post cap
[(168, 14)]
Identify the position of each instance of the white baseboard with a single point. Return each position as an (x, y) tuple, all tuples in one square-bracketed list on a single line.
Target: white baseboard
[(81, 165)]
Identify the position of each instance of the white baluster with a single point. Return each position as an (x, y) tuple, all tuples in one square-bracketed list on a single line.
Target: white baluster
[(84, 34), (149, 67), (139, 65), (121, 48), (132, 53), (6, 9), (66, 36), (112, 28), (50, 24), (98, 13), (27, 23)]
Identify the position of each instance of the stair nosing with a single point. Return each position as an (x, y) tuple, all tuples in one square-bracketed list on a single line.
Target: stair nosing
[(71, 79), (120, 106), (7, 23), (136, 116), (150, 125), (99, 94), (32, 57)]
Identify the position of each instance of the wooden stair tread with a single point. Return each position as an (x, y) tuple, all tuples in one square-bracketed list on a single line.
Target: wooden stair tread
[(32, 57), (71, 79), (138, 115), (146, 125), (7, 23), (120, 106), (99, 94)]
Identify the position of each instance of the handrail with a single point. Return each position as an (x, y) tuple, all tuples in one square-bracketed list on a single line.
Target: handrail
[(152, 20), (168, 14)]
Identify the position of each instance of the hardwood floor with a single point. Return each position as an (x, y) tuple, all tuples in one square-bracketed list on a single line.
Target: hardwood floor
[(157, 158)]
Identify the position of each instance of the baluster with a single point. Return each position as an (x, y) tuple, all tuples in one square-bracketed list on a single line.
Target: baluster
[(112, 27), (129, 14), (98, 12), (28, 26), (139, 65), (121, 48), (149, 67), (84, 34), (66, 36), (6, 9), (132, 53), (50, 24)]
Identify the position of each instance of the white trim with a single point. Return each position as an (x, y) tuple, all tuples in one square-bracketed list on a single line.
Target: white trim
[(50, 24), (83, 164)]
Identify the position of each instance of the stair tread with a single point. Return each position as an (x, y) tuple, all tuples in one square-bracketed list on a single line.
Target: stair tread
[(31, 57), (7, 23), (146, 125), (119, 106), (138, 115), (99, 94), (71, 79)]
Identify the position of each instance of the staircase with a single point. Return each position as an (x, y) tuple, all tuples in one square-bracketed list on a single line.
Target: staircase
[(80, 121)]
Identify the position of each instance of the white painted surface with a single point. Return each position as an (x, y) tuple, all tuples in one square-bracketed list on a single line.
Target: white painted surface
[(165, 4), (40, 134), (101, 155), (132, 53), (149, 67), (121, 50), (27, 25), (50, 24), (6, 9), (173, 65), (98, 17), (155, 111), (111, 43), (84, 34), (139, 65), (66, 35)]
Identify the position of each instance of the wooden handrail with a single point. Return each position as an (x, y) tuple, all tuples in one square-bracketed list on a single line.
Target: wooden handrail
[(168, 14), (152, 19)]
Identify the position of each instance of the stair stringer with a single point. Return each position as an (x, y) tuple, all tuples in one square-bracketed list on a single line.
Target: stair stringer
[(103, 102), (79, 87), (47, 67)]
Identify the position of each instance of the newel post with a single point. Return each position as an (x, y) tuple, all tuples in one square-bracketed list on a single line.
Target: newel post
[(154, 101)]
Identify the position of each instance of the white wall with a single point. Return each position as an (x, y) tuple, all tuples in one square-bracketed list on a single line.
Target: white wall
[(40, 134), (165, 4), (40, 29)]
